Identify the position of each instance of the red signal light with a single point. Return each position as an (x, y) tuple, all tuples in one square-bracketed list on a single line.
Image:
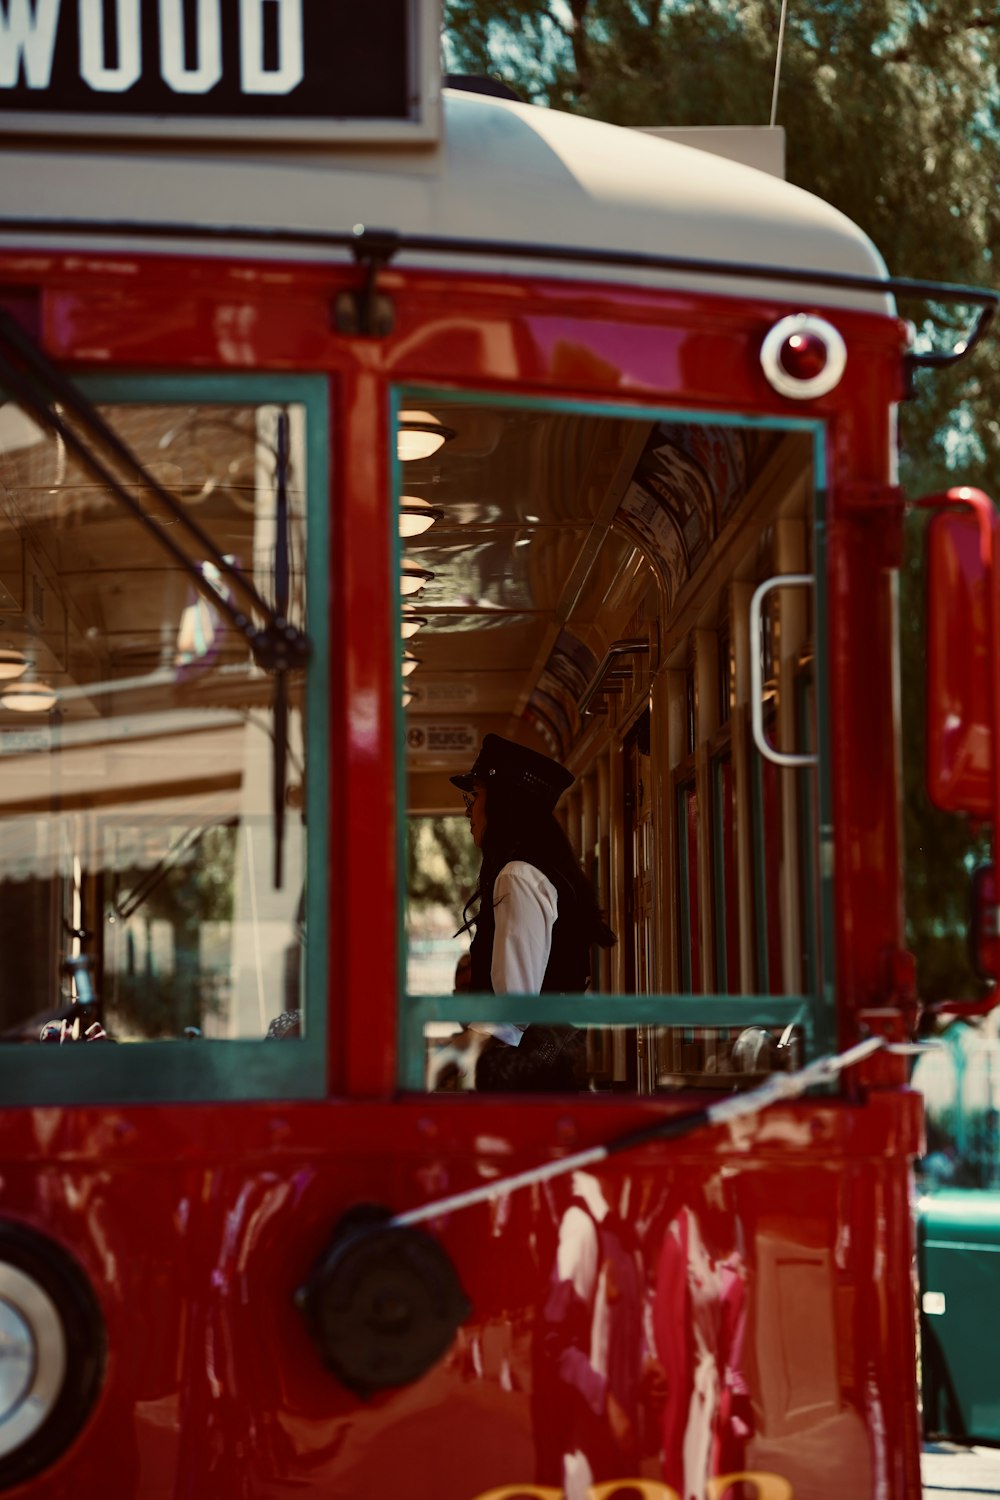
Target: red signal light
[(803, 356)]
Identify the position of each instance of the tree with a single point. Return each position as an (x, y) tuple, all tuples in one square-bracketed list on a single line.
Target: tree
[(442, 864), (890, 109), (197, 888)]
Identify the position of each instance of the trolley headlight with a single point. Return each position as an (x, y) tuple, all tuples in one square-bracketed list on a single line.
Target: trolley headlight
[(803, 356), (52, 1349), (32, 1357)]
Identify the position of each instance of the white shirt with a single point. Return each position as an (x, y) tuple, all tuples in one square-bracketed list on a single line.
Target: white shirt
[(525, 907)]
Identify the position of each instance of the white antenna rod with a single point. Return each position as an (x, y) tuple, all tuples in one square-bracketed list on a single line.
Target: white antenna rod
[(777, 62)]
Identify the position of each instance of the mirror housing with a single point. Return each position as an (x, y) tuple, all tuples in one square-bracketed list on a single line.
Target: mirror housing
[(963, 654), (963, 698)]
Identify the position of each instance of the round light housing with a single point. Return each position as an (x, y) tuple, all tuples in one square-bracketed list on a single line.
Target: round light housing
[(419, 435), (412, 579), (410, 663), (13, 663), (417, 515), (803, 356), (28, 697), (409, 625)]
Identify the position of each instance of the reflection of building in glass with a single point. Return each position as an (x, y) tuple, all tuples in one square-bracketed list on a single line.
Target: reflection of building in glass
[(137, 816)]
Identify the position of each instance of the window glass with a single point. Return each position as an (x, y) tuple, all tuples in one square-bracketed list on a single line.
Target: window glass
[(688, 886), (152, 834), (725, 880), (578, 581)]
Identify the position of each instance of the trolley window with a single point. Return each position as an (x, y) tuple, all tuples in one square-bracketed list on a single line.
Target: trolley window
[(155, 881), (579, 580)]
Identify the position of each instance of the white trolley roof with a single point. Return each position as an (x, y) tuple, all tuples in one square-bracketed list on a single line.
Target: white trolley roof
[(501, 171)]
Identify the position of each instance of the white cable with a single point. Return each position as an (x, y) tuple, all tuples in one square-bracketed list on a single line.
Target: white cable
[(777, 62), (779, 1086)]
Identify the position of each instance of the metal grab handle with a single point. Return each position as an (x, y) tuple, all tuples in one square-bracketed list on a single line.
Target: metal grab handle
[(760, 739), (637, 647)]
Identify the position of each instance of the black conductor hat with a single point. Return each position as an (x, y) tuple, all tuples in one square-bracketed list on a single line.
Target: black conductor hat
[(516, 766)]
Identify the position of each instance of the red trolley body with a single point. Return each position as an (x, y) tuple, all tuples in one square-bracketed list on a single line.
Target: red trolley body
[(202, 1301)]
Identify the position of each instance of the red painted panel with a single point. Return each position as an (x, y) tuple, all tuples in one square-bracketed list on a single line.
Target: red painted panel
[(728, 1300)]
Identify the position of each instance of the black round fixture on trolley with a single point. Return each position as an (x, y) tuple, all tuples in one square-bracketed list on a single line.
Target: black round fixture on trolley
[(383, 1303)]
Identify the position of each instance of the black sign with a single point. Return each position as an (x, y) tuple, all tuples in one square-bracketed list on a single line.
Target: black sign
[(323, 67)]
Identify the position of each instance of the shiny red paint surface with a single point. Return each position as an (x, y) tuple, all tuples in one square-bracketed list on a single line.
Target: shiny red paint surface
[(196, 1224), (961, 667)]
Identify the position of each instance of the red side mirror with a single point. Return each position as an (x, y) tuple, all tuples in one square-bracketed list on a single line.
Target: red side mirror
[(963, 653), (963, 696)]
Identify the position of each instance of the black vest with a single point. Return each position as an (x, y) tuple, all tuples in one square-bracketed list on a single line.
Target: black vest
[(568, 969)]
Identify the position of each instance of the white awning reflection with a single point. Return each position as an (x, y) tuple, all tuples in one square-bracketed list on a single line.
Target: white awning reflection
[(137, 837), (116, 794)]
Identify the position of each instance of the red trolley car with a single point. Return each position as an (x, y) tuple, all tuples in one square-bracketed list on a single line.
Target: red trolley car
[(610, 423)]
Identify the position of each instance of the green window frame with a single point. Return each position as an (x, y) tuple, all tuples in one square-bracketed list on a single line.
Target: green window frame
[(161, 1071), (812, 1013)]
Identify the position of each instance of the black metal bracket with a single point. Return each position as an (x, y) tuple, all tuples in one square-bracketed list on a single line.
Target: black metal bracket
[(604, 680), (280, 646), (366, 312)]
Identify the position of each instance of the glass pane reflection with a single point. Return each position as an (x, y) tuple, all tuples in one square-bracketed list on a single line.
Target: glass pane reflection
[(137, 838)]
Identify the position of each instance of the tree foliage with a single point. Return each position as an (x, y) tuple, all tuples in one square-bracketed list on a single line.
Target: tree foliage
[(890, 109), (442, 864), (154, 1002)]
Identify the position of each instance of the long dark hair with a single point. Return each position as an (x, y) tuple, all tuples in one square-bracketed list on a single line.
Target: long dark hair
[(518, 826)]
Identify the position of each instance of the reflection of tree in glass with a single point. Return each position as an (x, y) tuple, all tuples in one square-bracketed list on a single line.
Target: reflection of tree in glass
[(442, 863), (151, 999)]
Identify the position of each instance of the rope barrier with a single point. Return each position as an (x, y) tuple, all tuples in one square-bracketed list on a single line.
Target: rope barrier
[(777, 1088)]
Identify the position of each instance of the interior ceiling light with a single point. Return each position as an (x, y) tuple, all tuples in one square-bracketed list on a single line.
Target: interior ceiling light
[(412, 579), (410, 624), (28, 697), (410, 663), (416, 515), (407, 697), (419, 435), (13, 663)]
